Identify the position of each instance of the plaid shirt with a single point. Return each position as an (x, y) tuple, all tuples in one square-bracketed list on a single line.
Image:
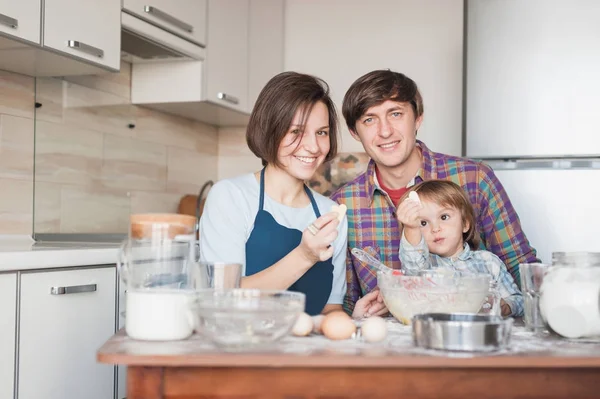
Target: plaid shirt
[(418, 257), (372, 223)]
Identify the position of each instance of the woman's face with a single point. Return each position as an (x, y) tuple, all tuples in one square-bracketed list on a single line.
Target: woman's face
[(304, 148)]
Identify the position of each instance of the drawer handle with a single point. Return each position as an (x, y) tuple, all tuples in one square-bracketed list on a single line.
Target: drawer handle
[(228, 98), (8, 21), (73, 289), (168, 18), (86, 48)]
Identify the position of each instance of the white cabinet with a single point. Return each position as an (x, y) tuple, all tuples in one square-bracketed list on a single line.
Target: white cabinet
[(244, 50), (265, 51), (65, 316), (227, 53), (89, 29), (121, 369), (8, 320), (184, 18), (21, 19)]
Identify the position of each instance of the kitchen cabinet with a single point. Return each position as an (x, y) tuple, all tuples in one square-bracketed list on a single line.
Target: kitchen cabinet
[(21, 19), (8, 320), (184, 18), (121, 369), (65, 316), (244, 50), (60, 37), (89, 29), (227, 53), (265, 52)]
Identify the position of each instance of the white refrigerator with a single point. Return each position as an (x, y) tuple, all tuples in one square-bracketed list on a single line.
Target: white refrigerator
[(533, 113)]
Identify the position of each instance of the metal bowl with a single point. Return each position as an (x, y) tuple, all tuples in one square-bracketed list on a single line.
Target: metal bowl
[(461, 332)]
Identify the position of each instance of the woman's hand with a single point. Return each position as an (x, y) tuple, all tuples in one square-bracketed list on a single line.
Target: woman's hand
[(317, 247), (408, 213), (370, 305)]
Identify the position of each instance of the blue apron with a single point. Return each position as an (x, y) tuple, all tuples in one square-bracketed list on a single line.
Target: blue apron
[(269, 242)]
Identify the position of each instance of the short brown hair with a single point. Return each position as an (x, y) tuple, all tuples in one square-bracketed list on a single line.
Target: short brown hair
[(450, 194), (275, 108), (376, 87)]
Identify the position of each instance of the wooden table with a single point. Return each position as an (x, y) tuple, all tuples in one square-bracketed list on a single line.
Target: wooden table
[(535, 366)]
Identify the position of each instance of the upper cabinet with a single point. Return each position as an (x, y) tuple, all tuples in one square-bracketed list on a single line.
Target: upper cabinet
[(87, 29), (77, 37), (21, 19), (184, 18), (227, 53), (244, 50)]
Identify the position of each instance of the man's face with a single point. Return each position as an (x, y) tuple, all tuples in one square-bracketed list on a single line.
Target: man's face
[(388, 132)]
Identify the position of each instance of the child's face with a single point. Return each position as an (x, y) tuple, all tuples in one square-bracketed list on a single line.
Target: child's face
[(442, 228)]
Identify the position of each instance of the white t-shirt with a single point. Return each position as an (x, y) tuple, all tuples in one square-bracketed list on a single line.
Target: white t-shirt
[(228, 220)]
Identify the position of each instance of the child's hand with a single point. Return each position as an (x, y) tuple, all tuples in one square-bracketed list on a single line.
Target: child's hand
[(505, 309), (370, 305), (408, 213)]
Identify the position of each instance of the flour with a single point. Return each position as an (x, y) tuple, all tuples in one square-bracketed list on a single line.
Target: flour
[(158, 315)]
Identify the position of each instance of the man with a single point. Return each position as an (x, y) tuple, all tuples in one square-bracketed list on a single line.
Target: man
[(384, 110)]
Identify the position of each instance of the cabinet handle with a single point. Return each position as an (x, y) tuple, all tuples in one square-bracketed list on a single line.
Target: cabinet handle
[(8, 21), (86, 48), (73, 289), (228, 98), (168, 18)]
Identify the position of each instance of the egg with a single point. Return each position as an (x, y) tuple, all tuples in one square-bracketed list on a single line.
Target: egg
[(338, 326), (374, 329), (317, 320), (303, 325)]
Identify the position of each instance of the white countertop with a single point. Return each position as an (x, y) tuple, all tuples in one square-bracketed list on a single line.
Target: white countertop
[(22, 253)]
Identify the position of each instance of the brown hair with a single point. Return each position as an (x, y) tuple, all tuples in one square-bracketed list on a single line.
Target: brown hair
[(447, 193), (275, 108), (376, 87)]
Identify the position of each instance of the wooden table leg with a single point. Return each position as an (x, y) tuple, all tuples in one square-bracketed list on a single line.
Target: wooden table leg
[(145, 382)]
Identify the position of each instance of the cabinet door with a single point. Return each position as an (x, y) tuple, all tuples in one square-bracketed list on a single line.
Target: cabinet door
[(184, 18), (121, 369), (227, 53), (63, 322), (21, 19), (89, 29), (8, 326), (265, 45)]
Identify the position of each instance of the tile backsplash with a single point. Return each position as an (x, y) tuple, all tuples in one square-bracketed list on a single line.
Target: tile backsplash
[(99, 158)]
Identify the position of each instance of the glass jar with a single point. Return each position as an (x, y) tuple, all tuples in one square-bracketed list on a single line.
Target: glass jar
[(570, 294), (157, 265)]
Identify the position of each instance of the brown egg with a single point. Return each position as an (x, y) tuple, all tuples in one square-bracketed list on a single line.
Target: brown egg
[(337, 326)]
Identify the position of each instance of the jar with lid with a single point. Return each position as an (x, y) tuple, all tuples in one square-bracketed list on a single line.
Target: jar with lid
[(570, 294), (157, 266)]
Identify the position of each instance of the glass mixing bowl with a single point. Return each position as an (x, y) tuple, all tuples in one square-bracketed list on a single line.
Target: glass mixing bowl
[(432, 291), (244, 319)]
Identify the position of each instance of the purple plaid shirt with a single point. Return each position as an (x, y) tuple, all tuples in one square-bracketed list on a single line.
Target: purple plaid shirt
[(372, 223)]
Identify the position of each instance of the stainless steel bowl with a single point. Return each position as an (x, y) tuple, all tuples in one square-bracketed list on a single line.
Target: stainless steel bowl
[(461, 332)]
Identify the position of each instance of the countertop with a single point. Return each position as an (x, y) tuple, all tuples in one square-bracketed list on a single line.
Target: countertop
[(22, 253), (527, 350)]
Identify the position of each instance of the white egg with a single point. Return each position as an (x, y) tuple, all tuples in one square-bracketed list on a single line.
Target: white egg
[(374, 329), (303, 325)]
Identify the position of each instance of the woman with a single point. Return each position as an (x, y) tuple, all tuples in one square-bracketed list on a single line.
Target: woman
[(270, 221)]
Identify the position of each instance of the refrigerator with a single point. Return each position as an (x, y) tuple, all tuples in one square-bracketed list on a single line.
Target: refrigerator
[(532, 112)]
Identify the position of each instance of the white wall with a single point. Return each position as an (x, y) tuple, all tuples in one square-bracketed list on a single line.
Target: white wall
[(340, 40)]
